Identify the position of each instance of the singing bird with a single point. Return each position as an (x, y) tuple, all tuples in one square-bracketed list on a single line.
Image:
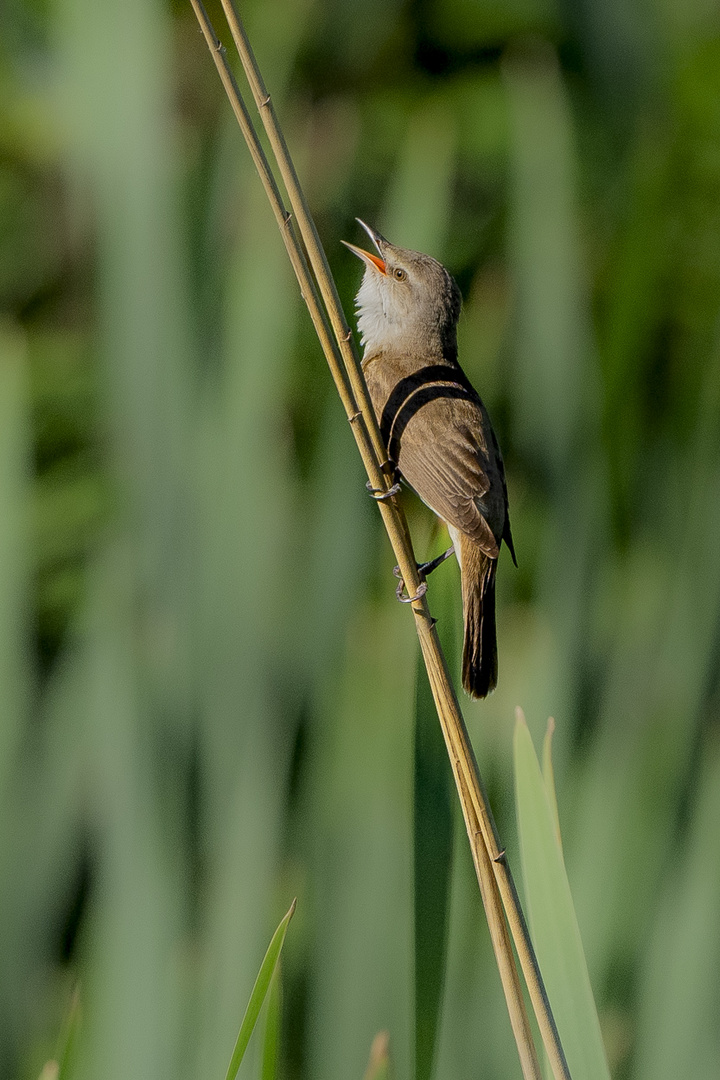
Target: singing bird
[(436, 428)]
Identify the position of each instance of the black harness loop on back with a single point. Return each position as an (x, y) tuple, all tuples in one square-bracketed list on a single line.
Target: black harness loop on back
[(411, 393)]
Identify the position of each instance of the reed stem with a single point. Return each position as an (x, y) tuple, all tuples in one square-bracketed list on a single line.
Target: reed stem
[(497, 887)]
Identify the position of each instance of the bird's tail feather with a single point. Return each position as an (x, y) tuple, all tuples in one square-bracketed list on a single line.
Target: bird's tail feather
[(480, 661)]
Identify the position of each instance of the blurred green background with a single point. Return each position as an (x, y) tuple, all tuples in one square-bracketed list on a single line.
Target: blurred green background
[(206, 686)]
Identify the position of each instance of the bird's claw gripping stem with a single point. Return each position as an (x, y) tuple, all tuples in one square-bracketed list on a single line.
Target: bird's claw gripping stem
[(422, 589), (423, 570), (380, 495)]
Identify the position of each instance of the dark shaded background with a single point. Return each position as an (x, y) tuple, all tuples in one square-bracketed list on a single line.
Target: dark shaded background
[(206, 686)]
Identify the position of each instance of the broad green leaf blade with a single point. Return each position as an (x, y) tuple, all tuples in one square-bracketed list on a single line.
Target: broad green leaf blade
[(549, 776), (271, 1039), (552, 917), (259, 990)]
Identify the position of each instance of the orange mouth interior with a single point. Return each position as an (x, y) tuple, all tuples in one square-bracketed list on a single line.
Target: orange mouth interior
[(377, 261)]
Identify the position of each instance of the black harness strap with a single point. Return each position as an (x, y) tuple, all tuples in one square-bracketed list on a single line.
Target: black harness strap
[(411, 393)]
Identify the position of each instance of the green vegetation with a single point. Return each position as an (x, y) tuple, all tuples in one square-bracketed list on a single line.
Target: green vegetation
[(266, 981), (551, 913), (207, 689)]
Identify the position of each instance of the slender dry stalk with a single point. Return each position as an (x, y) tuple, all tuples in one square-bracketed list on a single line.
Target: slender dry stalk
[(306, 225), (496, 883)]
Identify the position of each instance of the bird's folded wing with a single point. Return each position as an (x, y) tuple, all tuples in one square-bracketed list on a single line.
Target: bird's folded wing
[(441, 458)]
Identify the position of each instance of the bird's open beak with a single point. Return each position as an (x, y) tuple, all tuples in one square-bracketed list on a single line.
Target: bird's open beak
[(367, 257)]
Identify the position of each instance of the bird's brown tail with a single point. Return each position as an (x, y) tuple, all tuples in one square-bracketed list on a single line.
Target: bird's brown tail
[(480, 662)]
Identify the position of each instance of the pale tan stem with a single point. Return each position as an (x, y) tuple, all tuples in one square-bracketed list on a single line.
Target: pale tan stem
[(469, 784), (492, 902), (496, 883), (282, 216), (306, 224), (503, 953)]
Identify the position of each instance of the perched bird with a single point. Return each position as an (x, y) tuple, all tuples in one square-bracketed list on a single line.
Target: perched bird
[(436, 428)]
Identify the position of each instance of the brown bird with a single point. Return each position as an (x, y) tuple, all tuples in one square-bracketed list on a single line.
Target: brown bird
[(436, 428)]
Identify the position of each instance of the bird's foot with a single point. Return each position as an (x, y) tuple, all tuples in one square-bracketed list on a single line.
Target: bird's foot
[(380, 495), (423, 570), (421, 590)]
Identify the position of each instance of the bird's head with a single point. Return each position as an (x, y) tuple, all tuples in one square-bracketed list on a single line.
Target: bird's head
[(406, 301)]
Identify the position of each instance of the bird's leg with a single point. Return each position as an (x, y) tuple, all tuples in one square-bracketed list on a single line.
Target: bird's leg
[(423, 570), (427, 567)]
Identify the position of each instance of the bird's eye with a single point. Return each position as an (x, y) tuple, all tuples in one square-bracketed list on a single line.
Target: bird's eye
[(399, 274)]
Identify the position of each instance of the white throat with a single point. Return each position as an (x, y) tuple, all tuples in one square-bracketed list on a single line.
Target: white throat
[(379, 322)]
